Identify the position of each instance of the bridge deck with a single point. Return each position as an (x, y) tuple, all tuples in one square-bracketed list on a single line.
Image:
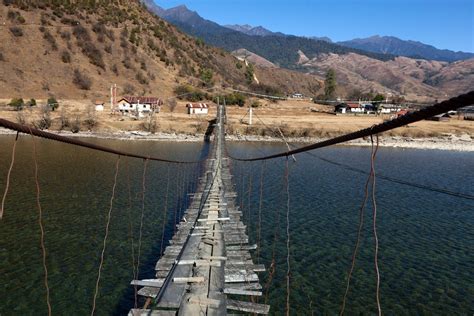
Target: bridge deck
[(209, 256)]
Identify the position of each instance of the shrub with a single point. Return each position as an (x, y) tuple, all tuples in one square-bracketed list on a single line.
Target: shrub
[(81, 81), (16, 31), (108, 49), (115, 69), (81, 34), (76, 125), (142, 79), (189, 93), (150, 124), (2, 58), (32, 102), (66, 35), (45, 120), (69, 21), (17, 104), (52, 103), (94, 54), (50, 39), (128, 89), (65, 56)]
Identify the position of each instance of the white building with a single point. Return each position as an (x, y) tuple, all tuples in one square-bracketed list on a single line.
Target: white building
[(198, 108), (99, 106), (139, 106)]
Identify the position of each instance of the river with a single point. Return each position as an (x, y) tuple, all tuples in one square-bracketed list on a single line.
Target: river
[(426, 238)]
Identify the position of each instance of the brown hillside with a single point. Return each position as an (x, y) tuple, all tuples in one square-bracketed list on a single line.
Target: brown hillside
[(78, 50)]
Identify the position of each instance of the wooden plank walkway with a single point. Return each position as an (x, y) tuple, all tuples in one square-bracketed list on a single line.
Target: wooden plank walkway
[(209, 255)]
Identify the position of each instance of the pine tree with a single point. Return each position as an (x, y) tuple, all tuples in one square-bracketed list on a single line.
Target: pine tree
[(330, 84)]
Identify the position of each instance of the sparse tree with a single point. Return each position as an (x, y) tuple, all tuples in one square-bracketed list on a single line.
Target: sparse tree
[(91, 119), (378, 98), (330, 84), (45, 121), (63, 119), (172, 104), (150, 124)]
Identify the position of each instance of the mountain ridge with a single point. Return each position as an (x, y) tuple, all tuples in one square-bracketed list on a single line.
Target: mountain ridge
[(408, 48)]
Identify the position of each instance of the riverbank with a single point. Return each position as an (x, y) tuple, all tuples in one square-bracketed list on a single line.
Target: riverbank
[(448, 142)]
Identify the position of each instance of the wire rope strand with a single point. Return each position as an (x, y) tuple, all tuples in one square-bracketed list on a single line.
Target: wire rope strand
[(165, 210), (288, 271), (260, 204), (41, 226), (142, 216), (109, 216), (130, 227), (7, 186), (376, 239), (359, 235)]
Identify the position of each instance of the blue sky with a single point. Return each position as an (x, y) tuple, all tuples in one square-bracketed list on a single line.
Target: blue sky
[(442, 23)]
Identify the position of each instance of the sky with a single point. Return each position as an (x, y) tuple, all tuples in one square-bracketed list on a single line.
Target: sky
[(445, 24)]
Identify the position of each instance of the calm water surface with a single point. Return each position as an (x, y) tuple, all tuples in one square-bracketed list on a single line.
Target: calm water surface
[(426, 238)]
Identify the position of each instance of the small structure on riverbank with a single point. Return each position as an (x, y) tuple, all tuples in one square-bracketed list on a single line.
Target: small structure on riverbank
[(99, 106), (197, 108)]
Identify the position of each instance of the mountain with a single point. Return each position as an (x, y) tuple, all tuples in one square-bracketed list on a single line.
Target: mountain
[(77, 50), (253, 30), (322, 38), (280, 50), (395, 46)]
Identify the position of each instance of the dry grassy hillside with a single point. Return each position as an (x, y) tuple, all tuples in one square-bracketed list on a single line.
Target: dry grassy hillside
[(78, 50)]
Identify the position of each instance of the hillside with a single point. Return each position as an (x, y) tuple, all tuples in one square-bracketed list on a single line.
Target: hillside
[(78, 50), (395, 46)]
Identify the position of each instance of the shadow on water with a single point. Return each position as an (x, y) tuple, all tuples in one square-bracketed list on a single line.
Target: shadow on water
[(147, 264)]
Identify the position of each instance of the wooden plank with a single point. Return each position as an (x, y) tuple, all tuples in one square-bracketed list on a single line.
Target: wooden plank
[(204, 301), (189, 280), (242, 292), (244, 286), (240, 276), (148, 282), (149, 291), (248, 307), (149, 312), (243, 247)]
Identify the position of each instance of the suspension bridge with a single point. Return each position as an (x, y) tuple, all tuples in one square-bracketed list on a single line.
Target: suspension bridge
[(207, 267)]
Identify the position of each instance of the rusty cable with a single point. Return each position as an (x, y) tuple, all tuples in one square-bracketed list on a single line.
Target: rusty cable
[(40, 222), (145, 165), (2, 206), (374, 226), (109, 216), (68, 140)]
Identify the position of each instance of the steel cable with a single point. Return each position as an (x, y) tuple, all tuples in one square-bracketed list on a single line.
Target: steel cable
[(68, 140), (40, 222), (7, 186), (109, 216)]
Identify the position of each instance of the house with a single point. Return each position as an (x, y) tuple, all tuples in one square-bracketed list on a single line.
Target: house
[(369, 108), (389, 108), (355, 108), (197, 108), (139, 105), (297, 96), (440, 117), (99, 106), (341, 108)]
